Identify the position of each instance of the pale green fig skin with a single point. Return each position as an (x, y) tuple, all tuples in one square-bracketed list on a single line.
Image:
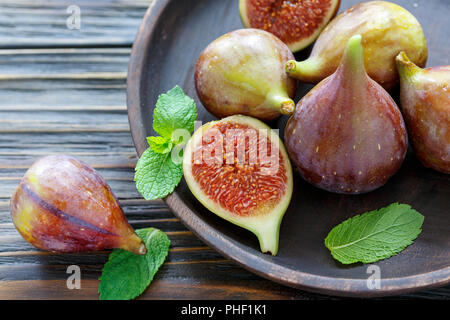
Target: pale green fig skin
[(347, 135), (386, 29), (425, 103), (242, 72), (266, 226)]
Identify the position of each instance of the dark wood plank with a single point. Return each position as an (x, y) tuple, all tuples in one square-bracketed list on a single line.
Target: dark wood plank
[(104, 23)]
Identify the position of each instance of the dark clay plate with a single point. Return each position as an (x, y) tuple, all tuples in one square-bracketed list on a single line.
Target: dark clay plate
[(171, 37)]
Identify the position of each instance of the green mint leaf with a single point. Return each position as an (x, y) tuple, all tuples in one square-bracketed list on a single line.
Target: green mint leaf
[(375, 235), (174, 110), (160, 144), (126, 275), (156, 174)]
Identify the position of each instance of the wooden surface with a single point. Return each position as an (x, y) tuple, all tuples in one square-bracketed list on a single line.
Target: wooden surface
[(63, 91)]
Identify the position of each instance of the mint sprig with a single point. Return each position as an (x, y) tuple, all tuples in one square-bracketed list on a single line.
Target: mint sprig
[(126, 275), (174, 110), (157, 174), (375, 235)]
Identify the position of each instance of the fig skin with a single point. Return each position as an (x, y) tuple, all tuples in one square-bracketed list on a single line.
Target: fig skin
[(63, 205), (347, 135), (386, 29), (425, 103), (296, 24), (263, 221), (242, 72)]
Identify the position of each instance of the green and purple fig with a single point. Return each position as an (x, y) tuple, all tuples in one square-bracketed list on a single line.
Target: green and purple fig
[(238, 168), (425, 103), (63, 205), (386, 29), (242, 72), (347, 135)]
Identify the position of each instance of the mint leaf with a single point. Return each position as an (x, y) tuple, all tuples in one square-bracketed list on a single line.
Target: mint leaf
[(126, 275), (375, 235), (174, 110), (160, 144), (156, 175)]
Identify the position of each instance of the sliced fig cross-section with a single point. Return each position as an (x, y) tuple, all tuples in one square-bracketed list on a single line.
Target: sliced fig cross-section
[(296, 22), (238, 168)]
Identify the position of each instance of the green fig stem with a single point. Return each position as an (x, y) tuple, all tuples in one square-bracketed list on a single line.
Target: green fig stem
[(268, 239), (352, 63), (302, 70), (406, 68), (285, 104)]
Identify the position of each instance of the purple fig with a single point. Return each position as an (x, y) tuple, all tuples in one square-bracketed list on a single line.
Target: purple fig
[(386, 29), (63, 205), (242, 72), (347, 135), (425, 103)]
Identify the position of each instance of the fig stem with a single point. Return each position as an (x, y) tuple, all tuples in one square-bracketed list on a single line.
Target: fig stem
[(135, 245), (352, 64), (406, 68), (302, 70), (282, 102)]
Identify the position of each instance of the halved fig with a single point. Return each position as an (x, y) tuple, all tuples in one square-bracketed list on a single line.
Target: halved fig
[(238, 168), (296, 22)]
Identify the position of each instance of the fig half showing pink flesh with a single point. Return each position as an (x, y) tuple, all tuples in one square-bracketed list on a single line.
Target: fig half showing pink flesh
[(238, 168), (347, 135), (297, 23), (425, 103), (63, 205), (242, 72)]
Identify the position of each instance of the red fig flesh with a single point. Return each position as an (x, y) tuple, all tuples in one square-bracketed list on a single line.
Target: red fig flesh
[(297, 23), (63, 205), (347, 134), (242, 72), (238, 168), (425, 103), (386, 29)]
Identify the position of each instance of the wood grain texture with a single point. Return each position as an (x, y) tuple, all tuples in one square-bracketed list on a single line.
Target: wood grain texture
[(63, 91), (42, 24)]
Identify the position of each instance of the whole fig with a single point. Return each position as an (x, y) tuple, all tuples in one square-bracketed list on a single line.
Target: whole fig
[(347, 135), (242, 72), (425, 103), (63, 205), (386, 29)]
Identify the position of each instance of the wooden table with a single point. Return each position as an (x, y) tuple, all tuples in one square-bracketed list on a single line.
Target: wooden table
[(63, 91)]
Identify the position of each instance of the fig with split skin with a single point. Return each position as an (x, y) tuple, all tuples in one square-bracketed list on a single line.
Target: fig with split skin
[(425, 103), (238, 168), (296, 23), (347, 135), (242, 72), (386, 29), (63, 205)]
